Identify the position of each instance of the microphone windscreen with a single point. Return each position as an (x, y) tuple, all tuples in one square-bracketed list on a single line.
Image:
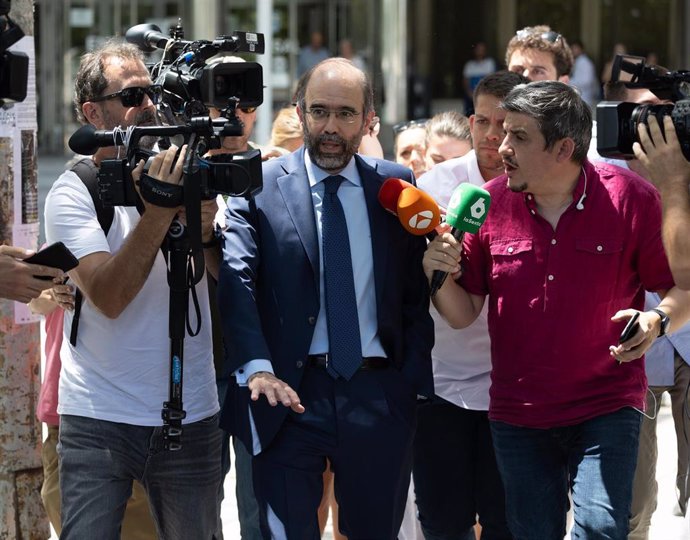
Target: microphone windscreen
[(146, 36), (418, 212), (468, 208), (390, 193), (83, 141)]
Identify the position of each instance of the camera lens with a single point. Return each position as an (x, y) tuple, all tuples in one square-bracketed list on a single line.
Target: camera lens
[(641, 114)]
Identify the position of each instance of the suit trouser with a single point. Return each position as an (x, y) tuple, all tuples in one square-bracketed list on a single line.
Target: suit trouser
[(645, 487), (138, 523), (364, 427)]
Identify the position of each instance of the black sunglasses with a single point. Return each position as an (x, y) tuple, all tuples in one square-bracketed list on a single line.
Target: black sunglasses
[(402, 126), (134, 95), (247, 110)]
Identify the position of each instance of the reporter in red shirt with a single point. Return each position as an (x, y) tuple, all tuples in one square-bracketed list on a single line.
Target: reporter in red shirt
[(564, 258)]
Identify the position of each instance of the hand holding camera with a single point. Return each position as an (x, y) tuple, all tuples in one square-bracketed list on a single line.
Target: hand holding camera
[(662, 156), (161, 186)]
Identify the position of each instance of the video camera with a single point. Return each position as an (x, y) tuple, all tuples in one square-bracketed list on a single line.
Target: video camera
[(190, 86), (14, 66), (617, 121)]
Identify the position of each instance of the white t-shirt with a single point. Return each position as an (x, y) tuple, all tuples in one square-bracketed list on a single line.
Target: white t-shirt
[(119, 369), (461, 358)]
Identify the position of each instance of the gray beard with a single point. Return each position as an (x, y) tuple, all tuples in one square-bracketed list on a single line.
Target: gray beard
[(330, 163)]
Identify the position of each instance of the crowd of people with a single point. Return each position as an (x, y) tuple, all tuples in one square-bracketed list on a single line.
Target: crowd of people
[(484, 410)]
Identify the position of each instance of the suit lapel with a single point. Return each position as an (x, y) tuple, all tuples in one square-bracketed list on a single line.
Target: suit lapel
[(296, 193), (371, 182)]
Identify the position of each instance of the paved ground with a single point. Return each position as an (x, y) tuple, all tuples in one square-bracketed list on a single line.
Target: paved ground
[(665, 525)]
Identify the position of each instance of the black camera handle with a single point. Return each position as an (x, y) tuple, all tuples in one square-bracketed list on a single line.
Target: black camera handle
[(185, 259)]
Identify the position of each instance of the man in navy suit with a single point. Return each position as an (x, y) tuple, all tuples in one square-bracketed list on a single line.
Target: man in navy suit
[(324, 309)]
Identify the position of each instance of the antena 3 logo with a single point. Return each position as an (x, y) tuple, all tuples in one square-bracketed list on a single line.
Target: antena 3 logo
[(421, 220)]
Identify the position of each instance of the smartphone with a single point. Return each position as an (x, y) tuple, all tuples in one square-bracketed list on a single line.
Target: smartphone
[(56, 256), (630, 328)]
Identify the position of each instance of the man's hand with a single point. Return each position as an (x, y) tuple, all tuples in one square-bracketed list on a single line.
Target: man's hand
[(165, 168), (662, 158), (648, 330), (61, 295), (443, 253), (17, 278), (275, 390)]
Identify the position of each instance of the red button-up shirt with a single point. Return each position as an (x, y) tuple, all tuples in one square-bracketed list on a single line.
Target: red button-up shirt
[(551, 295)]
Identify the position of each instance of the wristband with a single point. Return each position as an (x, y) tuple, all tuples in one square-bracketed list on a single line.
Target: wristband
[(160, 193)]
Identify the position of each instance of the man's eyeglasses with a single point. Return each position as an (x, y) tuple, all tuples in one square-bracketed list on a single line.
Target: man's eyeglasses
[(247, 110), (402, 126), (550, 36), (134, 95), (319, 115)]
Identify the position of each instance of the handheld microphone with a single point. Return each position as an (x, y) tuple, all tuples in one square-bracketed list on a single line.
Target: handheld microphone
[(417, 211), (390, 193), (466, 212), (87, 139)]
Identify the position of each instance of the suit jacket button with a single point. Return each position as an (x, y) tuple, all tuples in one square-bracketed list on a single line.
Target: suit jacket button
[(299, 364), (312, 320)]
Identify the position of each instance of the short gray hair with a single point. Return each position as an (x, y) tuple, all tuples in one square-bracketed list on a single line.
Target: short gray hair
[(559, 111), (91, 82)]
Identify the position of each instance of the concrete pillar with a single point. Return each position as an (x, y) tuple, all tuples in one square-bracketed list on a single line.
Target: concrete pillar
[(21, 512), (394, 48), (264, 116), (50, 73), (590, 33), (506, 25), (206, 21)]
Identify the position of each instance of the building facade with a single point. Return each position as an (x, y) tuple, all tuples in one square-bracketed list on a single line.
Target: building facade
[(413, 49)]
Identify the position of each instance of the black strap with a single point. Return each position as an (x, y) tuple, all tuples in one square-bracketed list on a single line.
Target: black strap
[(87, 171)]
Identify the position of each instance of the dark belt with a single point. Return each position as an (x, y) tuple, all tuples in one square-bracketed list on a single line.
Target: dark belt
[(369, 363)]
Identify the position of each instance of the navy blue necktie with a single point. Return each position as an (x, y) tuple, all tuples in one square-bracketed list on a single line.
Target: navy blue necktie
[(341, 301)]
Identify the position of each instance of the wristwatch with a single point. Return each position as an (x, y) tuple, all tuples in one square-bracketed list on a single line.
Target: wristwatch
[(665, 321)]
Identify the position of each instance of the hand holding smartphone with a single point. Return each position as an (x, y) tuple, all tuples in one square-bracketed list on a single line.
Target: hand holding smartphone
[(56, 256)]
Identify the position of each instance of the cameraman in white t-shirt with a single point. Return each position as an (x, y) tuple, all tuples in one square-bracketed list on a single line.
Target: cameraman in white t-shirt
[(116, 378)]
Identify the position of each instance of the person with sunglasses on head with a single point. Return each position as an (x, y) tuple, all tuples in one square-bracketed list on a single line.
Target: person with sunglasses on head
[(325, 318), (540, 54), (115, 378), (409, 145)]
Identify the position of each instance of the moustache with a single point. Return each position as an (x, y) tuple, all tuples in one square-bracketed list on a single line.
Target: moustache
[(331, 138), (145, 117)]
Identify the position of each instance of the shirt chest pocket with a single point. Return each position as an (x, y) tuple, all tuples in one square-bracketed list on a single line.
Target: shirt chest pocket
[(509, 257), (599, 260)]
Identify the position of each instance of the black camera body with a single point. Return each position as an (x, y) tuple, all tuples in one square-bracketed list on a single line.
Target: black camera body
[(191, 85), (618, 121)]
